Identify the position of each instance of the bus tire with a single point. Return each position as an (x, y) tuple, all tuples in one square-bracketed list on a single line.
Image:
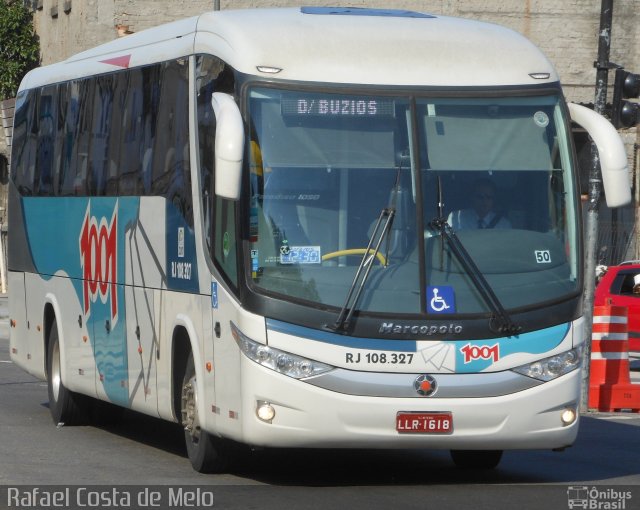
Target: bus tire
[(204, 450), (476, 459), (66, 407)]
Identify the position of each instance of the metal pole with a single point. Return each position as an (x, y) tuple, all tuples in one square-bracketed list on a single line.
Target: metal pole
[(216, 5), (595, 192), (3, 270), (636, 193)]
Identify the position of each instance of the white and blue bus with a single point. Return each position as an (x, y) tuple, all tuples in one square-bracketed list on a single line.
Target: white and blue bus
[(247, 222)]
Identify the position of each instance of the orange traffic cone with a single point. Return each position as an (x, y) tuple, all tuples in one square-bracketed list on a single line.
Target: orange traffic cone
[(610, 387)]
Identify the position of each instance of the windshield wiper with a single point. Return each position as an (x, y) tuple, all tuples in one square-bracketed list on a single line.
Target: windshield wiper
[(500, 321), (383, 225), (381, 229)]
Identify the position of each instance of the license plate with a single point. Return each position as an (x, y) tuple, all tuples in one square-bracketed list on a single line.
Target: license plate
[(424, 423)]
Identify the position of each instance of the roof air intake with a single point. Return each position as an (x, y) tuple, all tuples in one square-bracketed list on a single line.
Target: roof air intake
[(359, 11)]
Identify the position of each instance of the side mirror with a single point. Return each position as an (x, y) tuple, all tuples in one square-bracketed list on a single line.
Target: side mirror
[(613, 156), (229, 146)]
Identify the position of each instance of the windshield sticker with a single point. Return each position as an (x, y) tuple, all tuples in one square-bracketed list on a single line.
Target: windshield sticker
[(254, 263), (254, 221), (541, 119), (543, 256), (226, 248), (440, 299), (300, 255)]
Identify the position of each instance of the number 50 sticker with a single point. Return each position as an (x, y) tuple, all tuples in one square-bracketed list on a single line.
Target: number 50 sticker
[(543, 256)]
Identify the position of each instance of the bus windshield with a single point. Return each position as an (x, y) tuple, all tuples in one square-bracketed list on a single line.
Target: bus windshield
[(498, 171)]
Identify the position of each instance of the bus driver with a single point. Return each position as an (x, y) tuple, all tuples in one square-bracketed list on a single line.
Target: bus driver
[(482, 214)]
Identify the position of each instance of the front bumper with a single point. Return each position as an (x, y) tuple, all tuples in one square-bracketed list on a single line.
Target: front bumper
[(307, 416)]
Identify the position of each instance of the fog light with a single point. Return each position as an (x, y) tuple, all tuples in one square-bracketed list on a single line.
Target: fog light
[(568, 416), (265, 412)]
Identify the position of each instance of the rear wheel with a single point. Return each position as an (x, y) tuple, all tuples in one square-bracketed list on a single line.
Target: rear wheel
[(66, 407), (476, 459), (203, 450)]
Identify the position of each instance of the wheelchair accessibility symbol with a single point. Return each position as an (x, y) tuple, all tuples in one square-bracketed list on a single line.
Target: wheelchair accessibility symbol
[(440, 299)]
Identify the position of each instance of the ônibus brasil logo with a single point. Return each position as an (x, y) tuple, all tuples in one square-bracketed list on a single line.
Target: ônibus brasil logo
[(98, 245)]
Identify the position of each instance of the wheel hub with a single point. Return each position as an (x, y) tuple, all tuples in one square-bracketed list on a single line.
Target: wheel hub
[(190, 420)]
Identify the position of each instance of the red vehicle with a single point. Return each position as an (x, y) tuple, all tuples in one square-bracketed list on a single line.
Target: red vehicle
[(616, 288)]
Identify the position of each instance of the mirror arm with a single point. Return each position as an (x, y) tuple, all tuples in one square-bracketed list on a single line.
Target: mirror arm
[(613, 156), (229, 146)]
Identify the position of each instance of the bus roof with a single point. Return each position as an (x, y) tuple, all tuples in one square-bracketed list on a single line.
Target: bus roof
[(336, 45)]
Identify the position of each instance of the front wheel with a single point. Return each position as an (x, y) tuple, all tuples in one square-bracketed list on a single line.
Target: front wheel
[(66, 407), (203, 450), (476, 459)]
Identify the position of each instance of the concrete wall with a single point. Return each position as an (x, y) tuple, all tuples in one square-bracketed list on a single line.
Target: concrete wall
[(67, 27), (63, 32)]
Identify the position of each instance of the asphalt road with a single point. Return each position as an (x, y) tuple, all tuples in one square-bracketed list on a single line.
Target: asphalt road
[(145, 455)]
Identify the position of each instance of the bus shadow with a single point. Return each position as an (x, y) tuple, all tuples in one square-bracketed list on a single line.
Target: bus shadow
[(603, 451), (143, 429), (147, 430)]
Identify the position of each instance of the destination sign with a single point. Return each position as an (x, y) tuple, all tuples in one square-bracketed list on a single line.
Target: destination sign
[(333, 106)]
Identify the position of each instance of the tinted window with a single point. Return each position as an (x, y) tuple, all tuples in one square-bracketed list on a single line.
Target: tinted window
[(71, 179), (219, 215), (47, 120), (24, 142), (124, 133), (171, 148), (102, 106)]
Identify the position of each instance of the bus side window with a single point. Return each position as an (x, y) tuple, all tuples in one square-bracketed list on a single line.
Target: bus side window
[(130, 182), (66, 134), (59, 136), (171, 165), (150, 104), (24, 143), (83, 139), (206, 71), (219, 214), (225, 241), (116, 134), (71, 169), (46, 132), (100, 134)]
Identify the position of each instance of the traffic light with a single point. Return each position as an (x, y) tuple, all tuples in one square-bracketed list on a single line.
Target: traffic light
[(625, 113)]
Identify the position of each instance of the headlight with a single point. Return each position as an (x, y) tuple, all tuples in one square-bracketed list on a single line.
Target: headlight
[(550, 368), (279, 361)]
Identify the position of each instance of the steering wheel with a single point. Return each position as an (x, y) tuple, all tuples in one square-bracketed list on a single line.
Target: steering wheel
[(354, 251)]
